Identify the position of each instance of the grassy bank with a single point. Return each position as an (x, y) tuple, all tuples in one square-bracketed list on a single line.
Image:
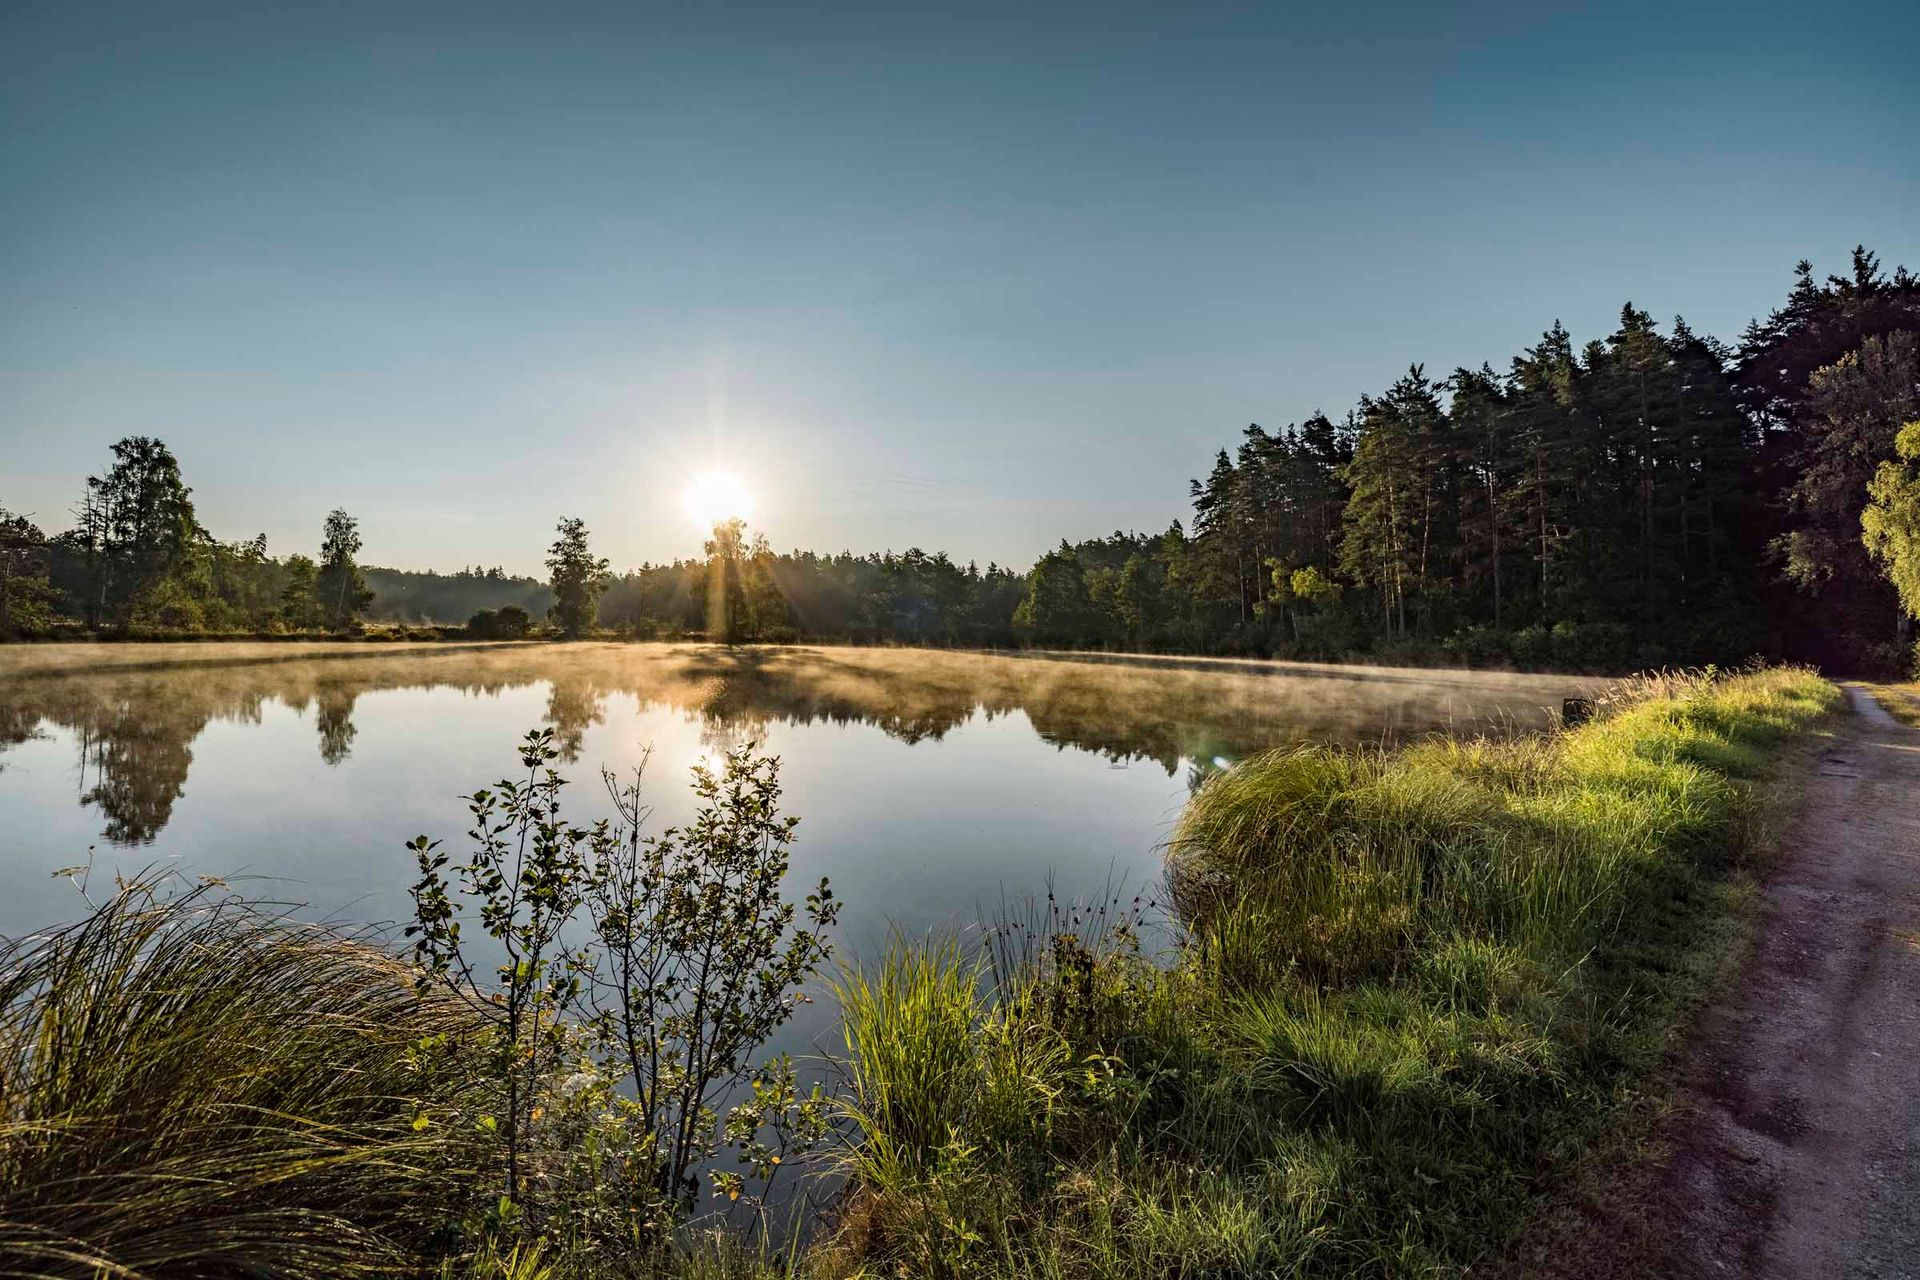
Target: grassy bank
[(1414, 985), (1408, 989)]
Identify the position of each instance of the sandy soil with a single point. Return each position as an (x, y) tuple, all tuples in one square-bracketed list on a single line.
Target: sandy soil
[(1794, 1151)]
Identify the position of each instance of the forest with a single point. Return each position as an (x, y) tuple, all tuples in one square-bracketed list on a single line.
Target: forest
[(1655, 496)]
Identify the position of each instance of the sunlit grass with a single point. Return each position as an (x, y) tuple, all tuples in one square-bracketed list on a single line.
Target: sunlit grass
[(1414, 983)]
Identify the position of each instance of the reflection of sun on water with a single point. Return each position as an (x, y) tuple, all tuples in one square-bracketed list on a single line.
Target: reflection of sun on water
[(715, 496)]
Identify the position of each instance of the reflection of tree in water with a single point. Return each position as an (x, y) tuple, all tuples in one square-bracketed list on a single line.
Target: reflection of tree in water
[(18, 724), (750, 689), (732, 726), (333, 716), (574, 705), (137, 724), (139, 769)]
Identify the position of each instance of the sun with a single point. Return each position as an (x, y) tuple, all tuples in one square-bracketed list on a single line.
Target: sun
[(716, 496)]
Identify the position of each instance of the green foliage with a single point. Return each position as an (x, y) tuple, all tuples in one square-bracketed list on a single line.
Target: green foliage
[(1058, 608), (508, 622), (192, 1087), (1859, 402), (1828, 377), (578, 579), (137, 536), (910, 597), (700, 960), (1408, 987), (300, 597), (426, 596), (625, 1061), (744, 600), (526, 876), (1391, 514), (27, 598), (1890, 523), (339, 590), (1647, 498)]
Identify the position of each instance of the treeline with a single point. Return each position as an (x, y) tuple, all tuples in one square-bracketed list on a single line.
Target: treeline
[(138, 560), (1654, 496), (1585, 508), (743, 590), (426, 597), (1651, 497)]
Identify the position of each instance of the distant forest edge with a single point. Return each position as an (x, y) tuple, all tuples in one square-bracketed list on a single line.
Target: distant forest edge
[(1654, 497)]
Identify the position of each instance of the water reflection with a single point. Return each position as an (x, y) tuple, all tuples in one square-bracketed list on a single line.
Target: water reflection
[(135, 718)]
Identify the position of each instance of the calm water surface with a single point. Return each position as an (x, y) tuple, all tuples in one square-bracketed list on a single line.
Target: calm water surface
[(929, 784), (932, 787)]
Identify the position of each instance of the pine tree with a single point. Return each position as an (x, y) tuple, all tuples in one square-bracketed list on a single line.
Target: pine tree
[(139, 531), (1551, 436), (1220, 550), (1380, 545), (1402, 519), (577, 577), (1483, 432), (299, 598)]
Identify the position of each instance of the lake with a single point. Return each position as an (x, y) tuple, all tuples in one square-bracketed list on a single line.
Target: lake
[(928, 782), (931, 786)]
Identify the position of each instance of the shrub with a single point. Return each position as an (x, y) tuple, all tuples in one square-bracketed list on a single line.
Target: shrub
[(508, 622), (1478, 646), (1590, 646), (196, 1089), (695, 959), (1532, 646)]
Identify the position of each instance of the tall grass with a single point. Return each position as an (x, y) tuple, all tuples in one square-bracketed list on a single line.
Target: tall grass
[(192, 1088), (1410, 986)]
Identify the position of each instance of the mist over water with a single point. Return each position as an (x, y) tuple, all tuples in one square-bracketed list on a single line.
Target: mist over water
[(304, 768), (934, 788), (929, 784)]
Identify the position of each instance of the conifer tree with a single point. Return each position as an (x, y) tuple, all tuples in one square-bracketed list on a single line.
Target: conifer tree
[(578, 578)]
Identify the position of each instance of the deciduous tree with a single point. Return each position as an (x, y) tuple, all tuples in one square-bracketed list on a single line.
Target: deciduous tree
[(1890, 524), (339, 589)]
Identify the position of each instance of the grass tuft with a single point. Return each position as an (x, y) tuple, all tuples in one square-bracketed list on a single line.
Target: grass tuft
[(190, 1088)]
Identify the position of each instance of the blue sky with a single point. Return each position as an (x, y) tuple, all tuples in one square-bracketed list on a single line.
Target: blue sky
[(972, 277)]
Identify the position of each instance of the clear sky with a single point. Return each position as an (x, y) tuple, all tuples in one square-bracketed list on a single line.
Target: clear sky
[(972, 276)]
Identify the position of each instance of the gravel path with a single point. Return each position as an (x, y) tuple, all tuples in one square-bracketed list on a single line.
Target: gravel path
[(1794, 1149)]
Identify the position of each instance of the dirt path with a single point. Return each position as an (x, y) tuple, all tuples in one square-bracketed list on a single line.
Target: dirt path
[(1794, 1151), (1805, 1159)]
